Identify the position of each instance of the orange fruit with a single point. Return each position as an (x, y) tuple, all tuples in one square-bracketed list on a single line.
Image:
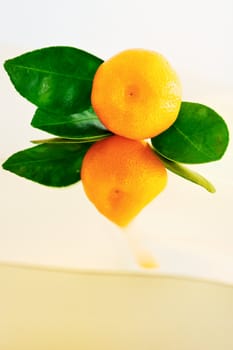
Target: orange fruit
[(136, 94), (121, 176)]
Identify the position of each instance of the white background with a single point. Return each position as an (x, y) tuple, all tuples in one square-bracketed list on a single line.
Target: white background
[(188, 230), (195, 35)]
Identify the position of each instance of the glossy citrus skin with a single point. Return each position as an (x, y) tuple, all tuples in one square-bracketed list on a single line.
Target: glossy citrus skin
[(121, 176), (136, 94)]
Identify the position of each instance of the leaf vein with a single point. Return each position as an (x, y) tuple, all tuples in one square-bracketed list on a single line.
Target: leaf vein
[(52, 72), (190, 141)]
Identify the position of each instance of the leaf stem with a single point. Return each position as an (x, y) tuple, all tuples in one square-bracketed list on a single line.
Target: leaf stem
[(65, 140), (53, 140), (187, 174)]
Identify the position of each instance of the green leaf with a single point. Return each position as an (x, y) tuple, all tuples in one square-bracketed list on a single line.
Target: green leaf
[(188, 174), (83, 126), (199, 135), (56, 78), (49, 164)]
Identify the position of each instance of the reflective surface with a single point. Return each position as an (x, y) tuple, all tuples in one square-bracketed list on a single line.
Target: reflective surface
[(57, 310)]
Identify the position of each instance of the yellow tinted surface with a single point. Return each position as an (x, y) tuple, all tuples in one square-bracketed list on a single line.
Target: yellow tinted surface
[(56, 310)]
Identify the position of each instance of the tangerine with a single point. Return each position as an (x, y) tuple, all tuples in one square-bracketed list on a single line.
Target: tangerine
[(121, 176), (136, 94)]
